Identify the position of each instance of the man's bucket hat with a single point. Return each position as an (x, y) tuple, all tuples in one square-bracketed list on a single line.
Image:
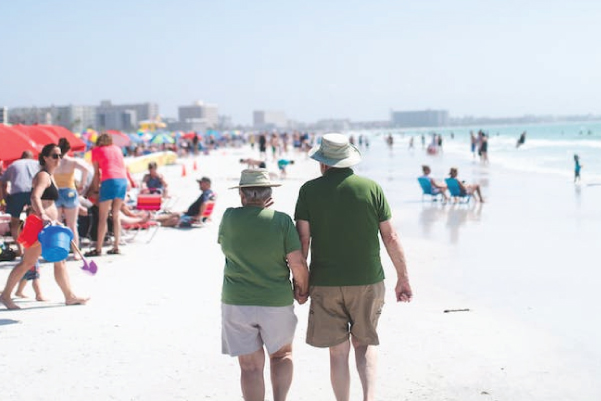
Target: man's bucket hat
[(335, 150), (258, 177)]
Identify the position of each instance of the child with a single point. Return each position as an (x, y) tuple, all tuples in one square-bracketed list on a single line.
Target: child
[(32, 274), (577, 167), (282, 163)]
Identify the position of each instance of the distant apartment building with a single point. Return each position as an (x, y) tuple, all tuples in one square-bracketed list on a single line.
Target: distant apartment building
[(3, 115), (420, 118), (333, 125), (124, 117), (269, 119), (74, 118), (198, 113)]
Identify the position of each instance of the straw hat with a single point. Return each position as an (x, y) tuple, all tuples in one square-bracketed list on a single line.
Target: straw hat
[(258, 177), (335, 150)]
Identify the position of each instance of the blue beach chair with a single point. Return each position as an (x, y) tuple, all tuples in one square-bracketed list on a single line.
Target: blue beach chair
[(427, 189), (455, 191)]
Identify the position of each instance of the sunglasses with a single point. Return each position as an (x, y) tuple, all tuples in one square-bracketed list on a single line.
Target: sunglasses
[(56, 156)]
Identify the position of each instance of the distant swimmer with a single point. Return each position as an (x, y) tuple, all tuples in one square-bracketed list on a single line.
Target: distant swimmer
[(521, 140), (577, 167)]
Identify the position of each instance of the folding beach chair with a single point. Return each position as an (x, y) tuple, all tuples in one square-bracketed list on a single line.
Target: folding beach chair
[(131, 231), (428, 190), (455, 191), (205, 217), (151, 202)]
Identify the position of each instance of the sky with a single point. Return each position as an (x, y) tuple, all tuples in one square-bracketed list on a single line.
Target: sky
[(311, 59)]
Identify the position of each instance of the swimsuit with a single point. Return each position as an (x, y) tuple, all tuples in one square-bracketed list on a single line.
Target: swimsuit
[(50, 193)]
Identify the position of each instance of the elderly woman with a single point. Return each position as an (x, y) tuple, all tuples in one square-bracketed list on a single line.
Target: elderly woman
[(110, 175), (261, 248), (68, 193), (44, 194)]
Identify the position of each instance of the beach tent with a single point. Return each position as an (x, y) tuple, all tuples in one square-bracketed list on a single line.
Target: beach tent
[(14, 143), (77, 145)]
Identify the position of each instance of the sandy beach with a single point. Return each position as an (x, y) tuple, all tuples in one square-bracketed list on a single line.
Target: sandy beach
[(151, 330)]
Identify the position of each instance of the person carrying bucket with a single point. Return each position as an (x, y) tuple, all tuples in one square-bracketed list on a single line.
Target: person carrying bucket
[(43, 196)]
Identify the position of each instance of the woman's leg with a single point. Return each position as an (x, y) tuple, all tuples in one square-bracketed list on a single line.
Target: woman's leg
[(115, 208), (71, 219), (30, 257), (103, 215), (62, 279)]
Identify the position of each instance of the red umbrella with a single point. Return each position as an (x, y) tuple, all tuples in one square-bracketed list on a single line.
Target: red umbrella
[(37, 134), (77, 145), (14, 143), (119, 138), (189, 135)]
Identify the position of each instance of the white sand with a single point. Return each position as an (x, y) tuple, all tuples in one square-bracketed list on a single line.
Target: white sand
[(152, 328)]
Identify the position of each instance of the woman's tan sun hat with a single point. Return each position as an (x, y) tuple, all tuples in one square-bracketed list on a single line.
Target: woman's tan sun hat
[(335, 150), (258, 177)]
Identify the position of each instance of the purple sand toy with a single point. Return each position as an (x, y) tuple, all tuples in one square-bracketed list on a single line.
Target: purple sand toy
[(90, 267)]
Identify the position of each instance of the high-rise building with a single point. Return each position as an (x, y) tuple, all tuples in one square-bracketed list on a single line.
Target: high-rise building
[(74, 118), (420, 118), (3, 115), (199, 111), (263, 119), (124, 117)]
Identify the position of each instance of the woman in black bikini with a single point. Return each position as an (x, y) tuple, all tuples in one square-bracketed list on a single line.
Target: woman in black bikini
[(43, 195)]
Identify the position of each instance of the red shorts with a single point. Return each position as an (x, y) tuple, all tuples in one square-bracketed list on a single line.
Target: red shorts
[(31, 229)]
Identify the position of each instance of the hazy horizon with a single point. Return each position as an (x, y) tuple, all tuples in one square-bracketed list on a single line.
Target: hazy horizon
[(310, 59)]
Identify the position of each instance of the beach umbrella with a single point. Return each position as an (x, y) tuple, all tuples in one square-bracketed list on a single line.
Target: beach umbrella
[(90, 135), (119, 138), (77, 145), (162, 138), (36, 133), (14, 143), (135, 138), (189, 135)]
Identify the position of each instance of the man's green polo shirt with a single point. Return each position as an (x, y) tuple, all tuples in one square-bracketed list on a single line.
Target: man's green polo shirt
[(344, 211), (255, 242)]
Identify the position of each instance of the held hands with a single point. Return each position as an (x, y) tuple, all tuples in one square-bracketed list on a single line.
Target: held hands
[(403, 290), (300, 298)]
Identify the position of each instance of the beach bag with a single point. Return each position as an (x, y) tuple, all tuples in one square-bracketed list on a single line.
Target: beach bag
[(7, 254)]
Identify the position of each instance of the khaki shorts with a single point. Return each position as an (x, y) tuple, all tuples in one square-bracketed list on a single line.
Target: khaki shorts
[(245, 329), (337, 311)]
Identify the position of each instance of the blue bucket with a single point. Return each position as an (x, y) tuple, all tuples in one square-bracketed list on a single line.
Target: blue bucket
[(56, 243)]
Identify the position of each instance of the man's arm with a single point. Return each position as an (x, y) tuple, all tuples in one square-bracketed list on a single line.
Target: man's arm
[(300, 275), (397, 256), (304, 233)]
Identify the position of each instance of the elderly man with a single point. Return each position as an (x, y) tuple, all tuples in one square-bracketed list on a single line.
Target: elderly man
[(338, 216), (20, 175), (261, 247)]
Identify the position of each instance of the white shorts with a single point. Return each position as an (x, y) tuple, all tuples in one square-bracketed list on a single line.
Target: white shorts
[(245, 329)]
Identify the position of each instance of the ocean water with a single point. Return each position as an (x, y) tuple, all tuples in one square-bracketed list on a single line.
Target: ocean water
[(549, 148), (530, 251)]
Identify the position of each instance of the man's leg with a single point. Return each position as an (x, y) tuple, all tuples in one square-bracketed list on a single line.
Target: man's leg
[(251, 375), (281, 372), (339, 370), (366, 359)]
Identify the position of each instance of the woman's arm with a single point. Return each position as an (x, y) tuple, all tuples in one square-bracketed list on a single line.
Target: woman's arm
[(79, 165)]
